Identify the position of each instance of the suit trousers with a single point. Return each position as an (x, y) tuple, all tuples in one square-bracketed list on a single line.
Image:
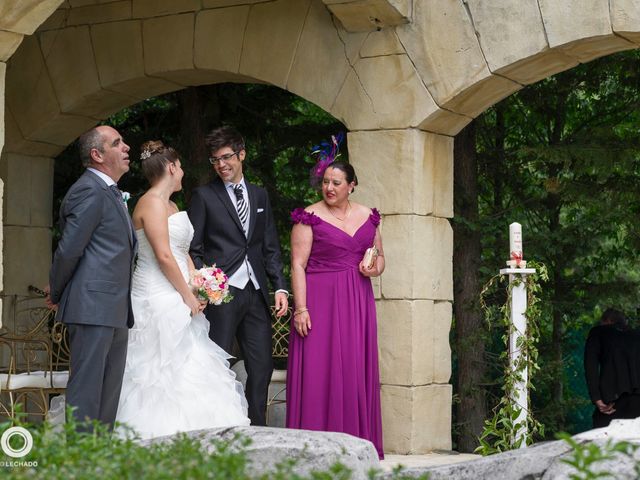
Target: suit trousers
[(247, 318), (98, 357)]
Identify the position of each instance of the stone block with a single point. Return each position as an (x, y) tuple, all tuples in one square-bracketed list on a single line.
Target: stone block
[(16, 143), (508, 30), (120, 60), (219, 36), (481, 95), (229, 3), (92, 14), (443, 46), (31, 94), (537, 67), (320, 65), (154, 8), (418, 253), (271, 39), (444, 122), (78, 89), (422, 171), (20, 243), (572, 20), (168, 43), (625, 18), (29, 189), (24, 16), (56, 20), (3, 72), (441, 327), (381, 42), (439, 157), (392, 95), (9, 42), (413, 342), (595, 47), (84, 3), (416, 420), (369, 15)]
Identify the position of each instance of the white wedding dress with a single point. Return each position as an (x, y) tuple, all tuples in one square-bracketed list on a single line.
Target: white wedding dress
[(176, 379)]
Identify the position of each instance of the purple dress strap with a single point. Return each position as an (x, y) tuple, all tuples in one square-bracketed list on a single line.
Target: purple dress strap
[(299, 215), (375, 216)]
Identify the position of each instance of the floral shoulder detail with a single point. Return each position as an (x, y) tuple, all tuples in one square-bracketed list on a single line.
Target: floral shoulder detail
[(299, 215), (375, 216)]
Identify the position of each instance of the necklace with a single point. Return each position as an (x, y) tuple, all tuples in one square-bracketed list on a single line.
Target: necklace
[(347, 214)]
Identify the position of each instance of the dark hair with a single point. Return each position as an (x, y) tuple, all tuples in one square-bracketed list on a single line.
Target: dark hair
[(611, 316), (87, 142), (345, 168), (225, 136), (155, 156)]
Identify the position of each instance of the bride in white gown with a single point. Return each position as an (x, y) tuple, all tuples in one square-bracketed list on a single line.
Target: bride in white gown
[(176, 379)]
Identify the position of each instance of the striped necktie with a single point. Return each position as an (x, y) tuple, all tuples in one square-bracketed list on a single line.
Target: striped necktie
[(241, 206)]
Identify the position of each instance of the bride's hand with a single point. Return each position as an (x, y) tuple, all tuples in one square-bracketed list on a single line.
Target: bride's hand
[(193, 303)]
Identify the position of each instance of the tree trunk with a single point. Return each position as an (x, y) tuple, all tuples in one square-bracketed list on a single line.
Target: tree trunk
[(194, 102), (469, 337)]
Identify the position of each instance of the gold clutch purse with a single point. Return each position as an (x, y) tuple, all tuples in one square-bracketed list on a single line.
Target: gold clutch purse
[(370, 257)]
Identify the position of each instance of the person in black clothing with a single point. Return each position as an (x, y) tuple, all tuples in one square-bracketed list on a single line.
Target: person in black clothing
[(611, 357)]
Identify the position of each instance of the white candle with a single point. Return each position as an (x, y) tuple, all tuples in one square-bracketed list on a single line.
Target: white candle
[(515, 241)]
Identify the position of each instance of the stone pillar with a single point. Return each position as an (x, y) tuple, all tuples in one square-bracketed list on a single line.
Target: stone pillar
[(408, 176), (28, 193)]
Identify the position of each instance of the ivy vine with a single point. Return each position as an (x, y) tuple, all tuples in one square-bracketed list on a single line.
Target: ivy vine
[(500, 431)]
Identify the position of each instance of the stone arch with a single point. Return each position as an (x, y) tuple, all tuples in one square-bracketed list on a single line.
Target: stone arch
[(404, 76)]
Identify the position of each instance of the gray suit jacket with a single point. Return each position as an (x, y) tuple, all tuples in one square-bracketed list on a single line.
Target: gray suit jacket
[(90, 277)]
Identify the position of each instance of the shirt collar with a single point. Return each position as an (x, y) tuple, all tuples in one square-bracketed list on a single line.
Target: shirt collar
[(241, 182), (106, 178)]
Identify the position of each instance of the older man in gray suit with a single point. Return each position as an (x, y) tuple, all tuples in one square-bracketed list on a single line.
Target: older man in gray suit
[(90, 279)]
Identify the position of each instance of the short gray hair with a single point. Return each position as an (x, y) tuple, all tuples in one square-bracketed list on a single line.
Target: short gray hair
[(87, 142)]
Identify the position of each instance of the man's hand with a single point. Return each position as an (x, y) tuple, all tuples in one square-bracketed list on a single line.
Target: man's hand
[(281, 303), (606, 408), (47, 298)]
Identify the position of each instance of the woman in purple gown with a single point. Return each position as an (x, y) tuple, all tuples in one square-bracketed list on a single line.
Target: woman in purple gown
[(332, 380)]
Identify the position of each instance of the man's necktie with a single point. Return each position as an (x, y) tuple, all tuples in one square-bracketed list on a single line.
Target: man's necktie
[(241, 205), (118, 194)]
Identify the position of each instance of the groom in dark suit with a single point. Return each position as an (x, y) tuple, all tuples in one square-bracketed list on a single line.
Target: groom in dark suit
[(90, 278), (234, 228)]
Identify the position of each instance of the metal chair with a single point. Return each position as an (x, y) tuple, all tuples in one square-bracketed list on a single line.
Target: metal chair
[(279, 350), (34, 359)]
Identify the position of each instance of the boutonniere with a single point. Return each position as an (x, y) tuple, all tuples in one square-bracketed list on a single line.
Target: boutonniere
[(125, 197)]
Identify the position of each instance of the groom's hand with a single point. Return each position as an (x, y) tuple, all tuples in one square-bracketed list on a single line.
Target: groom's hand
[(47, 298), (281, 303)]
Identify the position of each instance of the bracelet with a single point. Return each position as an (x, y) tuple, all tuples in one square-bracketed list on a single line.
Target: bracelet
[(299, 311)]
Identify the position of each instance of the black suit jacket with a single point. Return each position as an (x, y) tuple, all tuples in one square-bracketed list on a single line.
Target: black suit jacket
[(219, 237), (611, 366)]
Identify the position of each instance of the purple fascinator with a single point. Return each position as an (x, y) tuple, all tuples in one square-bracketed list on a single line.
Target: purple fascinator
[(326, 153)]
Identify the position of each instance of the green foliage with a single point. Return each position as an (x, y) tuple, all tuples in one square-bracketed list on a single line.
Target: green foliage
[(586, 456), (562, 157), (63, 452), (501, 431)]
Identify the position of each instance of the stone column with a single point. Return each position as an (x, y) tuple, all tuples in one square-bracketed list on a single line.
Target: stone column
[(408, 175), (28, 193)]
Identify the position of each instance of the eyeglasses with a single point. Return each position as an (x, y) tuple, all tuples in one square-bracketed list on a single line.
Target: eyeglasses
[(222, 158)]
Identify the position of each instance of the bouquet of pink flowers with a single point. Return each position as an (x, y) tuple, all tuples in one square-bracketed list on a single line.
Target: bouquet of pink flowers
[(211, 285)]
